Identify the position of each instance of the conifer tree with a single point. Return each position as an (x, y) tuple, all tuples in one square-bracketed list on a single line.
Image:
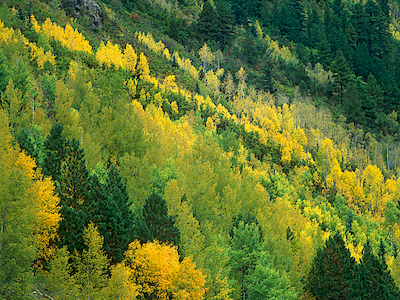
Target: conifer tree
[(73, 189), (341, 70), (373, 279), (112, 214), (332, 271), (55, 146), (156, 223), (226, 21), (207, 26)]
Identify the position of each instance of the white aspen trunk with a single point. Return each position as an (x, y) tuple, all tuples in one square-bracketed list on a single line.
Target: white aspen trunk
[(33, 110), (1, 233)]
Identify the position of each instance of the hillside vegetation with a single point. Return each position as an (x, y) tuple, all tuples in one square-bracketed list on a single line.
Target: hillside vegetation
[(189, 150)]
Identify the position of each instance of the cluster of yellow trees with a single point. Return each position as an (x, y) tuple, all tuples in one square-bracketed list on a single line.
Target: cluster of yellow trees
[(196, 167)]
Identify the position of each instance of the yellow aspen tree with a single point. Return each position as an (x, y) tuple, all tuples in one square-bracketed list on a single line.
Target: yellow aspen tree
[(120, 285), (157, 269), (170, 84), (110, 54), (158, 100), (12, 102), (29, 215), (206, 56), (241, 76), (92, 266), (130, 58), (174, 107), (143, 67), (373, 183), (61, 283), (229, 87), (212, 82)]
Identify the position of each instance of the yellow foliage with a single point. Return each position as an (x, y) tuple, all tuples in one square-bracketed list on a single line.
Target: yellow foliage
[(37, 197), (157, 269), (68, 37), (40, 56), (174, 107), (130, 58), (149, 41), (5, 33), (210, 124), (143, 67), (110, 54), (170, 84)]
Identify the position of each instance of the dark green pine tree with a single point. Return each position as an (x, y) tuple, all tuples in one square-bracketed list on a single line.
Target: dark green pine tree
[(226, 21), (352, 108), (109, 221), (373, 280), (207, 25), (156, 223), (246, 10), (265, 81), (332, 271), (173, 30), (313, 29), (118, 221), (362, 60), (360, 22), (74, 190), (26, 144), (342, 73), (249, 219), (55, 147), (391, 93), (378, 30), (290, 20), (374, 92), (4, 73)]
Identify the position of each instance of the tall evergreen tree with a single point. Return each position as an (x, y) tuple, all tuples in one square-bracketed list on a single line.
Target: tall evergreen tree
[(373, 279), (156, 223), (74, 190), (113, 214), (290, 19), (207, 25), (341, 71), (332, 271), (245, 10), (55, 146), (226, 21)]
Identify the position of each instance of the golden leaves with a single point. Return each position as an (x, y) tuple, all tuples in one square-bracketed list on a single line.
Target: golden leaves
[(157, 269)]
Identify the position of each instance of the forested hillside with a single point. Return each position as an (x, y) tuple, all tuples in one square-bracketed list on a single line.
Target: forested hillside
[(187, 149)]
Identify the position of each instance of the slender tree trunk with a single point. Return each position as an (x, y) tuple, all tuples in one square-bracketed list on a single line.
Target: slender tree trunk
[(244, 294), (88, 281), (1, 233)]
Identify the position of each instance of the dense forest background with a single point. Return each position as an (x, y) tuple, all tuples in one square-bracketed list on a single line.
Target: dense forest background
[(155, 149)]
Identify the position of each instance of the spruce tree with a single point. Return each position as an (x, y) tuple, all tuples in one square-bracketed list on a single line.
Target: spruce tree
[(113, 214), (373, 280), (74, 190), (156, 223), (26, 144), (207, 25), (55, 146), (342, 73), (226, 21), (332, 271)]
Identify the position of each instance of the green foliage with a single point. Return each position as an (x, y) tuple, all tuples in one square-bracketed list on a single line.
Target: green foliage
[(332, 271), (268, 283), (156, 224), (373, 278)]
